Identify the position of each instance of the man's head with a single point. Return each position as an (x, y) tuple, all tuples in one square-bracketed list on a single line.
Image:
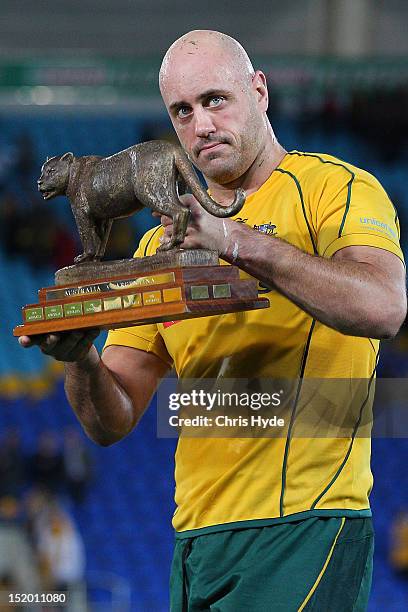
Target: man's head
[(217, 103)]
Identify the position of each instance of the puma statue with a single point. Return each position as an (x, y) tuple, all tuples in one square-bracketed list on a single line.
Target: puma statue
[(101, 189)]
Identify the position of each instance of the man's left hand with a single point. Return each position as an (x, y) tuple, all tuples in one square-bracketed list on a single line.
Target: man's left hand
[(204, 231)]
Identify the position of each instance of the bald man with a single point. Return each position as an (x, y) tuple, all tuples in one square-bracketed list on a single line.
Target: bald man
[(261, 524)]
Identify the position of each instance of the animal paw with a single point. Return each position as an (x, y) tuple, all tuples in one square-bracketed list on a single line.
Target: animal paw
[(85, 257), (168, 246), (173, 242)]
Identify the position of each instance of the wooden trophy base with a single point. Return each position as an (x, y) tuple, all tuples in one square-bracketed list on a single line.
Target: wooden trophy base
[(164, 287)]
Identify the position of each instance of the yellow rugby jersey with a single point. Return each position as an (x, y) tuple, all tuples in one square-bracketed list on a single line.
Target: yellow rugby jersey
[(319, 204)]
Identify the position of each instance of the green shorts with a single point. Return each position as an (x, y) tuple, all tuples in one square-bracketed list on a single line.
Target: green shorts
[(317, 564)]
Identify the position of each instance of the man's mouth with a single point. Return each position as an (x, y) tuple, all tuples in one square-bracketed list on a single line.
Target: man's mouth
[(210, 146)]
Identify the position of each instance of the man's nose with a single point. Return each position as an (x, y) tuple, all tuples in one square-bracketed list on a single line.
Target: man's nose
[(203, 123)]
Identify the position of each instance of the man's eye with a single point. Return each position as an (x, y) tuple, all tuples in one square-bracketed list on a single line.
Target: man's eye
[(183, 111), (215, 100)]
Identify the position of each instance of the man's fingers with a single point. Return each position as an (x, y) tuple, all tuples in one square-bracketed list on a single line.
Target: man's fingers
[(37, 340), (66, 346), (167, 234), (49, 342), (165, 220), (55, 344), (188, 200), (25, 341), (159, 214), (70, 342)]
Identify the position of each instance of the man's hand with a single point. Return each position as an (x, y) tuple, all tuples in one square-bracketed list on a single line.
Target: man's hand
[(63, 346), (360, 291), (204, 231)]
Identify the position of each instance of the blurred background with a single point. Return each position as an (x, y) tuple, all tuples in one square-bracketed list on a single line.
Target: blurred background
[(82, 77)]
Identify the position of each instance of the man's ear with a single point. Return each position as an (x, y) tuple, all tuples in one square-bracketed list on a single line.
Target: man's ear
[(260, 86), (67, 157)]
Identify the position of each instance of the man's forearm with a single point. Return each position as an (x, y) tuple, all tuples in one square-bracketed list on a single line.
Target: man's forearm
[(340, 294), (103, 408)]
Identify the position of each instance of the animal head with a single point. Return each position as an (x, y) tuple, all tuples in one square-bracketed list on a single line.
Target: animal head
[(54, 176)]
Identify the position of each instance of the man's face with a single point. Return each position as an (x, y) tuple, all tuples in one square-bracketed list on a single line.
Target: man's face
[(216, 113)]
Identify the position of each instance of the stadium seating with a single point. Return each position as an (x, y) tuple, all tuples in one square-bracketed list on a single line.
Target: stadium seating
[(125, 519)]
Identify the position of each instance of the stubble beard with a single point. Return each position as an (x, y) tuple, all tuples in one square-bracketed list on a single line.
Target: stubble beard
[(232, 164), (221, 169)]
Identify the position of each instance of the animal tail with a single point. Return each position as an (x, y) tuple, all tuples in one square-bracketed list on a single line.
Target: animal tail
[(191, 179)]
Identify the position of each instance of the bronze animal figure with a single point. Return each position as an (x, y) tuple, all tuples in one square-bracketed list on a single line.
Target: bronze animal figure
[(101, 189)]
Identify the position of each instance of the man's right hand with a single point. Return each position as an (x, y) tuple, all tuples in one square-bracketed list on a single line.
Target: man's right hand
[(63, 346)]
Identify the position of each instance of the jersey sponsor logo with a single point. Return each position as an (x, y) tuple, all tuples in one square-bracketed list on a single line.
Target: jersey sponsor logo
[(266, 228), (378, 225)]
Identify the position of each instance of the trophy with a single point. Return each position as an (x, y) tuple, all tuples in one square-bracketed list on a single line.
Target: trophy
[(173, 284)]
